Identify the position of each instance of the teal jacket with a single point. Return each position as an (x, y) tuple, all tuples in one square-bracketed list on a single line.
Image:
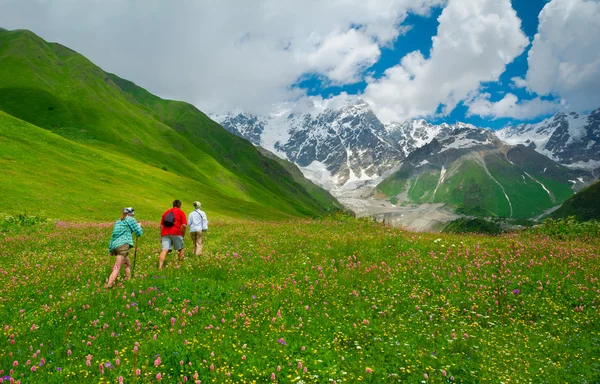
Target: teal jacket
[(122, 233)]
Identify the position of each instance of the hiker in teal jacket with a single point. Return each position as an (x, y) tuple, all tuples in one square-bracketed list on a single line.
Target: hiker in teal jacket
[(120, 243)]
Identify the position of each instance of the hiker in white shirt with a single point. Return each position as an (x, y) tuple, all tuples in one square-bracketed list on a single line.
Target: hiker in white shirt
[(198, 224)]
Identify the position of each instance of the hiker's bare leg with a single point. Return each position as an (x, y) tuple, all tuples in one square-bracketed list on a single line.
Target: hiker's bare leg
[(127, 266), (161, 258), (115, 271), (181, 254)]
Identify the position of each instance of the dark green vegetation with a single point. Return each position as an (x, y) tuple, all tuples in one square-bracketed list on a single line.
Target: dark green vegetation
[(484, 180), (78, 143), (343, 300), (323, 196), (465, 225), (585, 205)]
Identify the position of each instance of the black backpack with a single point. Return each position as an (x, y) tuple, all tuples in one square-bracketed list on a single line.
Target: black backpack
[(169, 220)]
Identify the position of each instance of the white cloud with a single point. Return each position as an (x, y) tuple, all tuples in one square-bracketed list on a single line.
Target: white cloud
[(221, 54), (510, 106), (475, 41), (564, 59), (518, 82), (342, 57)]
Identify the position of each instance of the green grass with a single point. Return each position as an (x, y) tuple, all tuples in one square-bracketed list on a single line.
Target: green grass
[(394, 184), (468, 187), (422, 187), (585, 205), (55, 88), (44, 172), (528, 197), (347, 300)]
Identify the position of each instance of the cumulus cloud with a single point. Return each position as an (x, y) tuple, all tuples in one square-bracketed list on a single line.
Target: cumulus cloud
[(564, 59), (518, 82), (221, 54), (510, 106), (475, 41)]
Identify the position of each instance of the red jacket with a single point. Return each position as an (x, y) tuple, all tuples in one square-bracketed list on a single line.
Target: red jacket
[(180, 220)]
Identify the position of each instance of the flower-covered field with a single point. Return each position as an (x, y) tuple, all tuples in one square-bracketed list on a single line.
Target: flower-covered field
[(332, 301)]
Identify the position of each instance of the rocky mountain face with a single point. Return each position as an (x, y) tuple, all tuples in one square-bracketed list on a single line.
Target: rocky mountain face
[(570, 139), (344, 148), (337, 147)]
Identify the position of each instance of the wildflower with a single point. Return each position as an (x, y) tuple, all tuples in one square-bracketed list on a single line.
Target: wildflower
[(369, 370), (272, 376), (158, 377)]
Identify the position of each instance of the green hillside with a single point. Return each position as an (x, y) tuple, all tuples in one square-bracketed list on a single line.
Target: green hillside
[(59, 90), (317, 192), (585, 205), (485, 180)]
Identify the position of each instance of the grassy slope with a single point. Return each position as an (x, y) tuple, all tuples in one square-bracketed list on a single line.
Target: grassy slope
[(236, 154), (57, 89), (528, 197), (323, 196), (44, 172), (585, 205), (471, 187)]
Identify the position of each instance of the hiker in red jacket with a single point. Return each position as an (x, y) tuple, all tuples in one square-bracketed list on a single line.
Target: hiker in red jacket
[(172, 228)]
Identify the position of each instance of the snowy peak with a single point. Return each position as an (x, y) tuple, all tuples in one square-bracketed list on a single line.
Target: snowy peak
[(244, 125), (571, 139), (342, 144)]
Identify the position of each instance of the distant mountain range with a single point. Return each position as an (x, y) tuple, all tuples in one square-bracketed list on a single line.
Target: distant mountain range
[(569, 139), (518, 171), (336, 147)]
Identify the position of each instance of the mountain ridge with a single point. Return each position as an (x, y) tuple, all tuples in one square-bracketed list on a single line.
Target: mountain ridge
[(54, 88), (312, 140)]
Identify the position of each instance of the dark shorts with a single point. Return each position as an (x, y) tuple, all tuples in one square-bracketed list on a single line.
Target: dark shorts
[(122, 250)]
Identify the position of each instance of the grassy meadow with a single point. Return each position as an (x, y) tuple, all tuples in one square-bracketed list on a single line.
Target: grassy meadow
[(335, 300)]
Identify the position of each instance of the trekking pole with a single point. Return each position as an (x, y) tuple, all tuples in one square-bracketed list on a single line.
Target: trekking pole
[(134, 256)]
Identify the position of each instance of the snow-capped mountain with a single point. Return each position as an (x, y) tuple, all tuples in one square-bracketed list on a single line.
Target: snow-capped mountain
[(347, 146), (570, 139), (337, 147)]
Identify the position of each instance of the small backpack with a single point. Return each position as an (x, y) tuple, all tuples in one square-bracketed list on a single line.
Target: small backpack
[(169, 220)]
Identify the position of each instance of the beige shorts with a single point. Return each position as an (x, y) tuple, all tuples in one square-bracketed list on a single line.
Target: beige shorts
[(122, 250)]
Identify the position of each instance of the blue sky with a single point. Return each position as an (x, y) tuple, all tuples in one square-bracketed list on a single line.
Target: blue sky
[(419, 38)]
